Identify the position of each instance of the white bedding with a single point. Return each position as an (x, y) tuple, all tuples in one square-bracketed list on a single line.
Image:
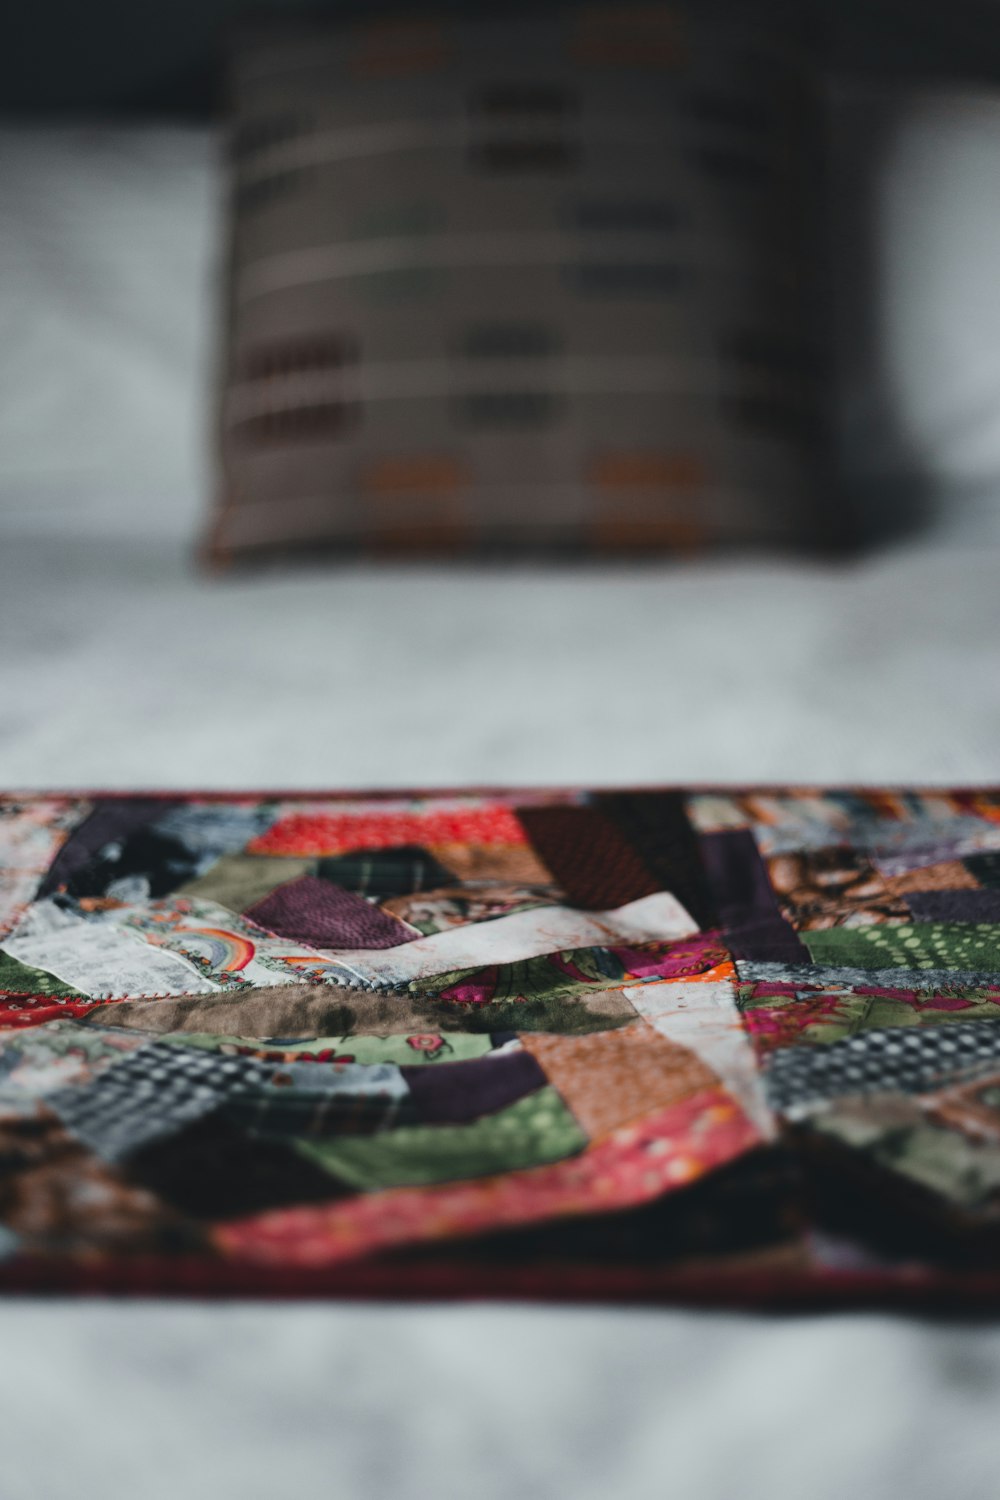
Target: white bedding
[(121, 666)]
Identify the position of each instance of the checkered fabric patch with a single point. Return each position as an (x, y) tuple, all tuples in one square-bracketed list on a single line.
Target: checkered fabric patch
[(151, 1094), (913, 1060)]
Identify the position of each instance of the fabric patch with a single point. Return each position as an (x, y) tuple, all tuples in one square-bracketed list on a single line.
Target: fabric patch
[(32, 832), (110, 821), (314, 911), (155, 857), (832, 888), (633, 1165), (612, 1077), (39, 1062), (782, 1015), (511, 939), (911, 1060), (17, 978), (535, 1130), (104, 961), (213, 1170), (237, 881), (924, 980), (462, 1092), (703, 1017), (956, 906), (906, 1141), (657, 825), (421, 1049), (589, 857), (748, 908), (464, 905), (949, 875), (397, 871), (985, 869), (974, 947), (387, 825), (60, 1200), (155, 1091), (305, 1100), (556, 976), (321, 1010), (228, 951), (513, 864)]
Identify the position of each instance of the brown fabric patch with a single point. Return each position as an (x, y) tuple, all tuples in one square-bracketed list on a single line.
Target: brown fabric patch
[(58, 1196), (836, 887), (518, 864), (949, 875), (609, 1078), (590, 858), (307, 1010)]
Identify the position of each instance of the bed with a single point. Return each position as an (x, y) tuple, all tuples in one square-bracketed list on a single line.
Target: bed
[(126, 666)]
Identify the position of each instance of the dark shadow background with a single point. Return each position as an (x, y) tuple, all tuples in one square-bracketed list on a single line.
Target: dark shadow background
[(161, 56)]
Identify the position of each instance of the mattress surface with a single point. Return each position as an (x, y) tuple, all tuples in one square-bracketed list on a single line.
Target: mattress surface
[(122, 667)]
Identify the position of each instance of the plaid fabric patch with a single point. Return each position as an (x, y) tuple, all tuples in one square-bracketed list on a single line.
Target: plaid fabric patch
[(316, 1100), (151, 1094), (288, 1112), (386, 872)]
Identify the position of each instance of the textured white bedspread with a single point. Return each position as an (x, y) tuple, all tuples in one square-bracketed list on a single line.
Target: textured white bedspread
[(121, 667)]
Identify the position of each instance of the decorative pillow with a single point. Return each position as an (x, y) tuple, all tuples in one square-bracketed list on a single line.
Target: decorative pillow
[(716, 1045), (542, 282)]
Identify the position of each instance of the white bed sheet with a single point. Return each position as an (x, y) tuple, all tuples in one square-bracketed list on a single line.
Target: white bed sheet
[(121, 666)]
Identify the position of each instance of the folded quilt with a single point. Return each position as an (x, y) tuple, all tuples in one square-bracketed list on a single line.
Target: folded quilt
[(716, 1045)]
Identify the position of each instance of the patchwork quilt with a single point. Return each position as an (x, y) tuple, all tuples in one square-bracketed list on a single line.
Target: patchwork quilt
[(730, 1045)]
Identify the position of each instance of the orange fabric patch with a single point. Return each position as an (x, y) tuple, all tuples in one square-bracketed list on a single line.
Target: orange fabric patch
[(516, 863), (611, 1077), (949, 875)]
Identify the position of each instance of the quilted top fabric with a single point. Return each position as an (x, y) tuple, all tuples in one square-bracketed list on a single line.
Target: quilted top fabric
[(545, 281), (729, 1045)]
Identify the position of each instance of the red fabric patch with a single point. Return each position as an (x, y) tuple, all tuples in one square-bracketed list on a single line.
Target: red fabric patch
[(338, 833)]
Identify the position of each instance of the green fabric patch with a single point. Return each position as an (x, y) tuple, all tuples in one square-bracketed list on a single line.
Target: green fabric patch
[(419, 1047), (237, 881), (536, 1130), (17, 978), (897, 1136), (819, 1017), (972, 946)]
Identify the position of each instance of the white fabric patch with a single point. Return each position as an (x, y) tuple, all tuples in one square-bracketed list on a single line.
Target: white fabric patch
[(525, 934), (704, 1018), (102, 960)]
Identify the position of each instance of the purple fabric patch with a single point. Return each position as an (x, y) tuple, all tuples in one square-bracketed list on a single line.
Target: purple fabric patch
[(751, 918), (920, 856), (110, 822), (314, 911), (459, 1092), (954, 906)]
